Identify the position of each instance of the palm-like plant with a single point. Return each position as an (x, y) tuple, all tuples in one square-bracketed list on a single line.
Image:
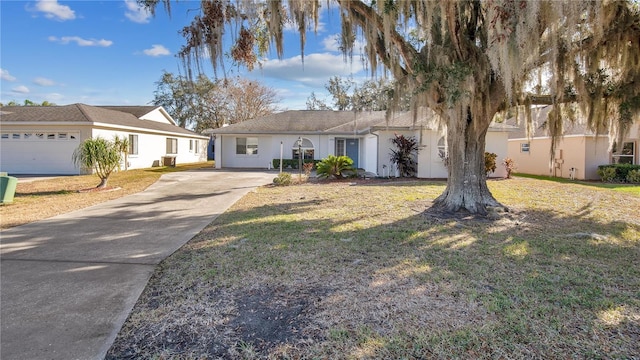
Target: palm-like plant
[(404, 156), (122, 143), (99, 155), (333, 166)]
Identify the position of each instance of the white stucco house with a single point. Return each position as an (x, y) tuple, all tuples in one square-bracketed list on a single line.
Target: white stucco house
[(578, 153), (365, 137), (42, 139)]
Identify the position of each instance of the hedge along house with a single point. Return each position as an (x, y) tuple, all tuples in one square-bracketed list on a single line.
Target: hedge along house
[(42, 139), (578, 154), (363, 136)]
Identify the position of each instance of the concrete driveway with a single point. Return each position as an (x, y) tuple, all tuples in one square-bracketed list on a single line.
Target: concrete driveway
[(69, 282)]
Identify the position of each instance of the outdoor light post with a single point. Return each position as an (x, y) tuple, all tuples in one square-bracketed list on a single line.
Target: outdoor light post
[(300, 158)]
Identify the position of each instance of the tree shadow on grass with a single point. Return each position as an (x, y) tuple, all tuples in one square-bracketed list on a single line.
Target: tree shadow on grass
[(528, 282)]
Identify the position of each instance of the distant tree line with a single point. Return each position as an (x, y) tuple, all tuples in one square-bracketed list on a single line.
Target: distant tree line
[(372, 95), (28, 102), (203, 103)]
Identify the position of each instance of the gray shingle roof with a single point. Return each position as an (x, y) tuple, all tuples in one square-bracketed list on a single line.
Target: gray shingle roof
[(82, 113), (137, 111), (332, 122), (299, 121)]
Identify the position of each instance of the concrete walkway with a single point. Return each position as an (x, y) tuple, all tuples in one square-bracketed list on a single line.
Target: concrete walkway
[(69, 282)]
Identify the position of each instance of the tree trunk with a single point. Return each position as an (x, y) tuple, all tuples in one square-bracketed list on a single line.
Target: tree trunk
[(467, 182), (103, 183)]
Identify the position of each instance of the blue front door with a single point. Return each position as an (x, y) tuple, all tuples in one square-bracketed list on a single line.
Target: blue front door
[(352, 151)]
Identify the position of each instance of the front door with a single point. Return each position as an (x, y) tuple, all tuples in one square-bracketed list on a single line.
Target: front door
[(352, 151)]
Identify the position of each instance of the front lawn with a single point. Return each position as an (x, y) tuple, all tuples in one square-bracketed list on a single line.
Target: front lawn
[(343, 271)]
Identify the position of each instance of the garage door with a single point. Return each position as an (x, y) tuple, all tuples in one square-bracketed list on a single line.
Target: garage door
[(38, 152)]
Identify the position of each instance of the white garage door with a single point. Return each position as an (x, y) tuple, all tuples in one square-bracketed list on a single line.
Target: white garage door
[(38, 152)]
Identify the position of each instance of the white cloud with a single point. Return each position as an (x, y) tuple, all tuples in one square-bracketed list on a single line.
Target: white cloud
[(4, 75), (54, 97), (136, 13), (80, 41), (20, 89), (157, 50), (53, 10), (43, 81), (317, 68), (332, 43)]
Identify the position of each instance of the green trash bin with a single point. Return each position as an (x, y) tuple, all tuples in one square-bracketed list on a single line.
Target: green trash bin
[(7, 188)]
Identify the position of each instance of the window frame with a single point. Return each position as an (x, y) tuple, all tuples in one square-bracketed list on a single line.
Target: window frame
[(525, 147), (615, 158), (341, 147), (133, 144), (171, 145), (250, 146)]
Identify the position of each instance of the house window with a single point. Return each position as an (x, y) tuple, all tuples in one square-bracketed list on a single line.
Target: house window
[(197, 148), (524, 147), (307, 149), (51, 136), (62, 136), (133, 144), (308, 154), (5, 136), (40, 135), (247, 146), (442, 148), (172, 146), (16, 136), (27, 135), (190, 144), (340, 147), (627, 155)]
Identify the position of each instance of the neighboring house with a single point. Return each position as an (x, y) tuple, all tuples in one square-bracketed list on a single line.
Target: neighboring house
[(578, 154), (365, 137), (42, 139)]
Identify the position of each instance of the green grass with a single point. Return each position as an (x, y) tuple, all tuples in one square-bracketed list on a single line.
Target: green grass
[(364, 272), (630, 188)]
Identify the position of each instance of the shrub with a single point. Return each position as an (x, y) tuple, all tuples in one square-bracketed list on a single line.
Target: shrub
[(283, 179), (616, 172), (291, 163), (489, 162), (607, 174), (633, 176), (307, 168), (333, 166), (100, 156), (404, 157), (509, 165)]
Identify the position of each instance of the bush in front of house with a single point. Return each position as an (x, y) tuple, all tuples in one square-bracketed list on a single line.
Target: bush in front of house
[(634, 176), (617, 172), (490, 162), (509, 165), (291, 163), (404, 155), (334, 166), (283, 179)]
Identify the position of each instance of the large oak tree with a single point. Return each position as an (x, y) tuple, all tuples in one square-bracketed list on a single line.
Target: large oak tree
[(466, 60)]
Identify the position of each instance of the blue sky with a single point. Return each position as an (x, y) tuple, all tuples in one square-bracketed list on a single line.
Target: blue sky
[(112, 53)]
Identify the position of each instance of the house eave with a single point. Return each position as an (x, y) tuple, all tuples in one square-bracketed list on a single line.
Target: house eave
[(147, 130)]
